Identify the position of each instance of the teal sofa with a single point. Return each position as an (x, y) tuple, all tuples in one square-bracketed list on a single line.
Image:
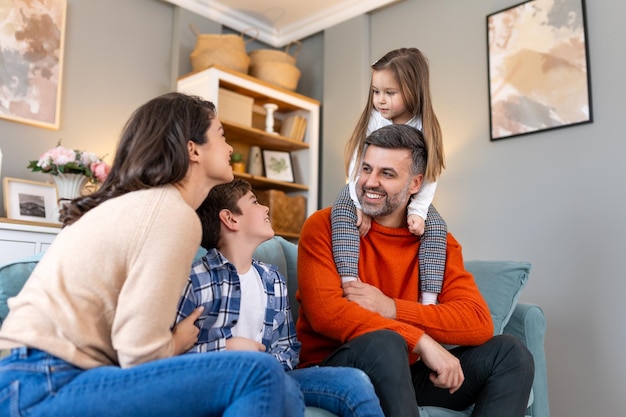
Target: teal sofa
[(500, 282)]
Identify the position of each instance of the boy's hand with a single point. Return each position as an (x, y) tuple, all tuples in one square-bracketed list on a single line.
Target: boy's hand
[(243, 343), (185, 333), (363, 222), (416, 224)]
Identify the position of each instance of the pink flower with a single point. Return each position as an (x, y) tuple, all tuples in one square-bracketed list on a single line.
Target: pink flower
[(100, 170), (56, 156)]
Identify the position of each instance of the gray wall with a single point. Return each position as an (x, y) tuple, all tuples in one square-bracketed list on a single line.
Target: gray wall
[(117, 56), (555, 199)]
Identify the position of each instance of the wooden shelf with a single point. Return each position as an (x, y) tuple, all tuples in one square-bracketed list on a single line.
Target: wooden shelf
[(254, 136), (263, 183)]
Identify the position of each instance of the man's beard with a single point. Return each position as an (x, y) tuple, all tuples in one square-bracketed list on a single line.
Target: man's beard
[(392, 202)]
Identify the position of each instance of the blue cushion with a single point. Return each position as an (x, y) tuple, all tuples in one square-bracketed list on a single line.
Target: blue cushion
[(13, 275), (500, 283)]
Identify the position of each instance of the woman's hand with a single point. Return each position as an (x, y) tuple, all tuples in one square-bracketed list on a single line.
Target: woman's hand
[(185, 333)]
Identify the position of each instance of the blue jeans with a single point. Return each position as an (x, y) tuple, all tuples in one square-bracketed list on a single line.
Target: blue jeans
[(227, 384), (346, 392)]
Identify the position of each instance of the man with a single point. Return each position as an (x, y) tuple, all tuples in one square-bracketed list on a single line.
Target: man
[(378, 325)]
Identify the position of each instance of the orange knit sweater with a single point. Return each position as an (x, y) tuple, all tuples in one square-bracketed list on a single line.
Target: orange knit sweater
[(388, 261)]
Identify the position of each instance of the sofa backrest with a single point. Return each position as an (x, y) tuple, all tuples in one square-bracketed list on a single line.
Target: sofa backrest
[(500, 282)]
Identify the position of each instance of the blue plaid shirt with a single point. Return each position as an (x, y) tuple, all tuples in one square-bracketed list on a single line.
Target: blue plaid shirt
[(214, 284)]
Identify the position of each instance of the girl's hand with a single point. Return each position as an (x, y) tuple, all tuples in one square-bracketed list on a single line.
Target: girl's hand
[(185, 333), (363, 222), (416, 224), (243, 343)]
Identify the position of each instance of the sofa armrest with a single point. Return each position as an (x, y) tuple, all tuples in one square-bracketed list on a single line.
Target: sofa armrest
[(528, 324)]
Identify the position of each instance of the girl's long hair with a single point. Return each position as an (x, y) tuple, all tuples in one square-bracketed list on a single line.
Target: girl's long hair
[(152, 150), (410, 67)]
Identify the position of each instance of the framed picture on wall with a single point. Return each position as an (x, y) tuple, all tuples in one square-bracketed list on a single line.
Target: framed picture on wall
[(32, 61), (277, 165), (30, 200), (538, 67)]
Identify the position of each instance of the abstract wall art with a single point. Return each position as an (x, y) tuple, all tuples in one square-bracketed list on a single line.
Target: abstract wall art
[(31, 61), (538, 67)]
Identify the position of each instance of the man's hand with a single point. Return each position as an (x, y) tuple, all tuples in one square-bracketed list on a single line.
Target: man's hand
[(416, 224), (243, 343), (363, 222), (370, 298), (185, 333), (447, 372)]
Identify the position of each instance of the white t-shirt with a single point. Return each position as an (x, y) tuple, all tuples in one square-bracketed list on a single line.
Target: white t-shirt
[(252, 308)]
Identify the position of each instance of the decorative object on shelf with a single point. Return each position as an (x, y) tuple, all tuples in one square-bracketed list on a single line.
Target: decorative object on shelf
[(32, 57), (278, 166), (538, 82), (287, 213), (276, 67), (69, 186), (236, 161), (30, 200), (216, 49), (62, 160), (255, 161), (270, 108)]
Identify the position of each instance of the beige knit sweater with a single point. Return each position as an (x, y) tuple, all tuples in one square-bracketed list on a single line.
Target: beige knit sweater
[(106, 291)]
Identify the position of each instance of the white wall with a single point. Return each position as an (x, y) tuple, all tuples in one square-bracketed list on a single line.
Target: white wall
[(555, 198)]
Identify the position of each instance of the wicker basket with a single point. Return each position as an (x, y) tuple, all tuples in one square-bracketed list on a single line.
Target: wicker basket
[(287, 213), (215, 49), (276, 67)]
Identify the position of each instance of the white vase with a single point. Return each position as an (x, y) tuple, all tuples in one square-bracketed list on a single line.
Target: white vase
[(69, 186), (270, 108)]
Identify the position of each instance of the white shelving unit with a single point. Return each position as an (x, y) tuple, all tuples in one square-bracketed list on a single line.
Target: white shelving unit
[(304, 153)]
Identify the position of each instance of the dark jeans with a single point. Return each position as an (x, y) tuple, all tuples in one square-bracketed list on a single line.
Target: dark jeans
[(498, 375)]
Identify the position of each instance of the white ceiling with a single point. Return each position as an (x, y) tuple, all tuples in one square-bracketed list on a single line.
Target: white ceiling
[(280, 22)]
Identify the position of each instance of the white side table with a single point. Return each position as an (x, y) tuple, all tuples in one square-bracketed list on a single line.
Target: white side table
[(19, 239)]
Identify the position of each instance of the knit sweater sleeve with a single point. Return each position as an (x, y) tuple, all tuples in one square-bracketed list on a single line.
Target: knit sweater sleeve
[(462, 317), (321, 296)]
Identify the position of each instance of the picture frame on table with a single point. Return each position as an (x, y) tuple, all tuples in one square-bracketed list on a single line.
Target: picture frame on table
[(30, 200), (278, 165), (538, 68), (33, 55)]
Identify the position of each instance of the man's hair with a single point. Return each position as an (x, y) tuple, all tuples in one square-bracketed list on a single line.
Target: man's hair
[(400, 136), (223, 196)]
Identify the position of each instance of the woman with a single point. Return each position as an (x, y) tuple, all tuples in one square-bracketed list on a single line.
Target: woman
[(90, 333)]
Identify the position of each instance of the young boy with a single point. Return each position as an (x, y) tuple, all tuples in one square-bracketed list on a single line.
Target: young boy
[(246, 305)]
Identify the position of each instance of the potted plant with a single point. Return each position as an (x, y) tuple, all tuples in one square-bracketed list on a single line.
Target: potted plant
[(236, 161)]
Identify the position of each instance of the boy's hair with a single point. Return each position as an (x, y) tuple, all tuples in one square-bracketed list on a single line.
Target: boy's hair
[(402, 137), (410, 68), (223, 196)]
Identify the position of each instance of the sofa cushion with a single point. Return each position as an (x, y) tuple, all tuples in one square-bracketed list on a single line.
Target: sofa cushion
[(13, 275), (500, 283)]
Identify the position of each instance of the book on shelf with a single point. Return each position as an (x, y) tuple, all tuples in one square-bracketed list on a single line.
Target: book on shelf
[(294, 127)]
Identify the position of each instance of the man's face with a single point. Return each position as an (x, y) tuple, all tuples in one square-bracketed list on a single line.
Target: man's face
[(386, 184)]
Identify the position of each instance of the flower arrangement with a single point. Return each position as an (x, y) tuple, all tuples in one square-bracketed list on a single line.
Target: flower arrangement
[(61, 160)]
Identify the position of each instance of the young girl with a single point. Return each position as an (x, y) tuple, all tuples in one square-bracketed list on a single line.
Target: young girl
[(91, 331), (399, 93)]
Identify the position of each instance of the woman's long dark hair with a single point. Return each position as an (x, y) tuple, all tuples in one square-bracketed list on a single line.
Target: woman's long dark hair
[(152, 150)]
